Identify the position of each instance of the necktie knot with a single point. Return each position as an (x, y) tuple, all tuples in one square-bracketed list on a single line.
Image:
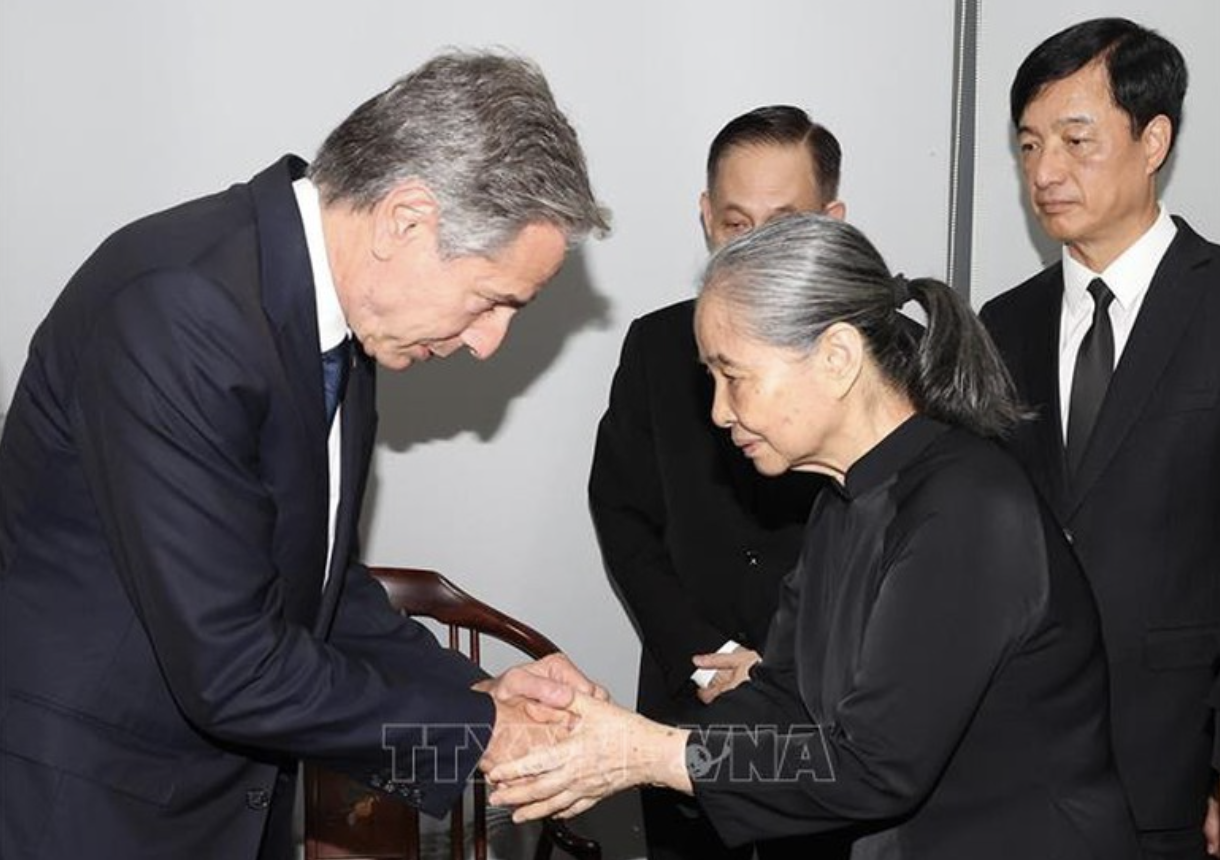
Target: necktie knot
[(1101, 296), (336, 362)]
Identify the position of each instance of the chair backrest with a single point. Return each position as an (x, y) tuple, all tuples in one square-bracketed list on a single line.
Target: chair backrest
[(345, 820)]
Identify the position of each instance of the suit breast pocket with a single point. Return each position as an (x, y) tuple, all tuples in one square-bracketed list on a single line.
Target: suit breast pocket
[(1190, 382), (1187, 400)]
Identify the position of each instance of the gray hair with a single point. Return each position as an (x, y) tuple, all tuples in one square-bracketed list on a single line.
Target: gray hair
[(483, 133), (791, 279)]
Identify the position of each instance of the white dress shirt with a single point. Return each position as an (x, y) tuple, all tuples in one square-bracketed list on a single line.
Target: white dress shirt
[(1128, 278), (332, 329)]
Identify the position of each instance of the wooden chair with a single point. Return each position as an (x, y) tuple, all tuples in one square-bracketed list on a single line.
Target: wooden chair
[(344, 819)]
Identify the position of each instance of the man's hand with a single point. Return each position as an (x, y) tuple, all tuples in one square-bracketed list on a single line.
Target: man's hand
[(608, 749), (531, 705), (521, 728), (551, 682), (732, 670)]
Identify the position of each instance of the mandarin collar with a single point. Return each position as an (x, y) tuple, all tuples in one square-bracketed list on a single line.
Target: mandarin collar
[(889, 456)]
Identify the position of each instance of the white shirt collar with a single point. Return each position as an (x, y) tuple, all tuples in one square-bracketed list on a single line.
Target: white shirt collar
[(1127, 277), (332, 326)]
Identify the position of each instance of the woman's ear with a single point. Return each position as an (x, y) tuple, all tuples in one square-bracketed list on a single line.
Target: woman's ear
[(840, 357)]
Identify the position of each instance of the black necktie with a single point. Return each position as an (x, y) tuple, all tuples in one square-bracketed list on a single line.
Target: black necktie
[(1094, 366), (336, 362)]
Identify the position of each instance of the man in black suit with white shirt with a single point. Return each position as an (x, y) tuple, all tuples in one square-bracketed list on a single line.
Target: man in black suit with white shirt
[(1117, 348)]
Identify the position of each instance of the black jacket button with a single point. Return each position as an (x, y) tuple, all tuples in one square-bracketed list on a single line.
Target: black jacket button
[(258, 798)]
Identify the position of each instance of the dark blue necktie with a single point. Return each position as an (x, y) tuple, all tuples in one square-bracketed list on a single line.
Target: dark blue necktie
[(336, 362), (1094, 366)]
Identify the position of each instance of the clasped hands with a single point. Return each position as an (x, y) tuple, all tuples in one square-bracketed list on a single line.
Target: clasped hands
[(560, 745)]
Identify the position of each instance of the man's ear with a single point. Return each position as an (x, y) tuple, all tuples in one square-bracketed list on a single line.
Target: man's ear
[(1157, 137), (835, 209), (840, 356), (399, 217), (705, 215)]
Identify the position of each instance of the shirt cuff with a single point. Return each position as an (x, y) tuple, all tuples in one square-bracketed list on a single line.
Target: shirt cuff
[(703, 677)]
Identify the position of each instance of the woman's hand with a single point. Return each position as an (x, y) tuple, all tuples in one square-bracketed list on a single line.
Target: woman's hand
[(608, 750)]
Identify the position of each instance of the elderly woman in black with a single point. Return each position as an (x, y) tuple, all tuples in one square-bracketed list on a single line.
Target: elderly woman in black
[(934, 674)]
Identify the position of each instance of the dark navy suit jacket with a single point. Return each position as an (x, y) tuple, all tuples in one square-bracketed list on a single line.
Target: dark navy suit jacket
[(169, 650)]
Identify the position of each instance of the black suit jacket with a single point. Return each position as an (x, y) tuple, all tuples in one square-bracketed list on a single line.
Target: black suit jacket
[(695, 540), (169, 649), (1144, 514)]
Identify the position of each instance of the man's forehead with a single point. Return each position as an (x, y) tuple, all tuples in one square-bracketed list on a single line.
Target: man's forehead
[(775, 177), (760, 155), (1089, 85)]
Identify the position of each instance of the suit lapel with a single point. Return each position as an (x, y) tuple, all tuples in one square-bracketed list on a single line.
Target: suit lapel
[(1171, 302), (288, 296), (1042, 386), (290, 304)]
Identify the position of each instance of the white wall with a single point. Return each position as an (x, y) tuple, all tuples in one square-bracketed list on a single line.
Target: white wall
[(1008, 245), (112, 110)]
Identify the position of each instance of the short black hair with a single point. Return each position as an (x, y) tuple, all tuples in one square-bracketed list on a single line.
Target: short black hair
[(1147, 72), (783, 125)]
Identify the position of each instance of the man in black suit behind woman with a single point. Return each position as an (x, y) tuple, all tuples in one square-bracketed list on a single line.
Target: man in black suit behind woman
[(694, 539)]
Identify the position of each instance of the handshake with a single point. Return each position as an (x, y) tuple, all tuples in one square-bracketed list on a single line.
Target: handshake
[(559, 745)]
